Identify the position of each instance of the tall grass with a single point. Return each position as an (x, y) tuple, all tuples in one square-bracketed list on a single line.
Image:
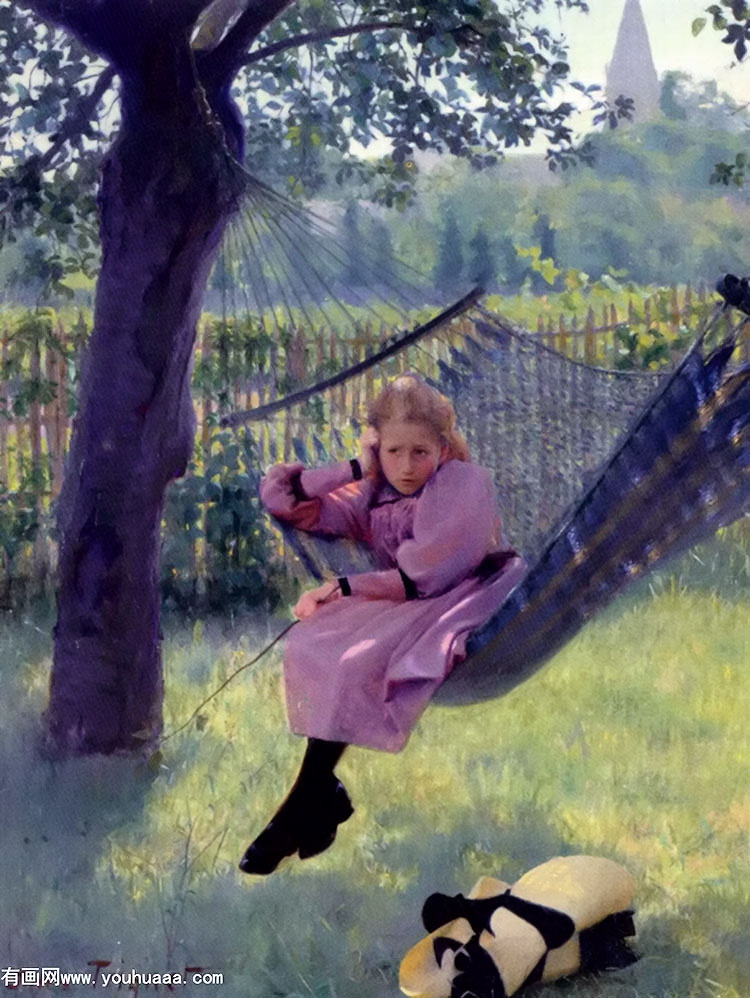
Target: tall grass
[(632, 744)]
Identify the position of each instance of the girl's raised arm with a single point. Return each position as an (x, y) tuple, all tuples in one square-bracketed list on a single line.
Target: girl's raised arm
[(331, 500)]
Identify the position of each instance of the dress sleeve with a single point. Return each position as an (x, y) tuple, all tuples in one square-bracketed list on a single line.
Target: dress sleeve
[(320, 500), (456, 524)]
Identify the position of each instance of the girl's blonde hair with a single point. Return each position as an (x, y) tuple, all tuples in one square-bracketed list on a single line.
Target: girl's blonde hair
[(410, 398)]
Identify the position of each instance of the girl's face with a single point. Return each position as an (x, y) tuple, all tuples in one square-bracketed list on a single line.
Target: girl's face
[(409, 454)]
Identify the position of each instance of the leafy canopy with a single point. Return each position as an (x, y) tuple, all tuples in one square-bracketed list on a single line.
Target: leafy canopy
[(732, 18), (321, 83), (468, 77)]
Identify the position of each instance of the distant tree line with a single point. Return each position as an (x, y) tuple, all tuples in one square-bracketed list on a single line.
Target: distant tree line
[(648, 210)]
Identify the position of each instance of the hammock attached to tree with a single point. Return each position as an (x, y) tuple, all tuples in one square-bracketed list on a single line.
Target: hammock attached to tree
[(601, 474)]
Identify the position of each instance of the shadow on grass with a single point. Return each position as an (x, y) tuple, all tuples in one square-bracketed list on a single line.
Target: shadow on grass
[(57, 816)]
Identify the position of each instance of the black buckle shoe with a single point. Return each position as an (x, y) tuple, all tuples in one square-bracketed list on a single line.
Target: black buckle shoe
[(277, 841), (304, 823)]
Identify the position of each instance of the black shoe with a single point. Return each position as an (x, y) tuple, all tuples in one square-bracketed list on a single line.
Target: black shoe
[(305, 822), (278, 840), (331, 812)]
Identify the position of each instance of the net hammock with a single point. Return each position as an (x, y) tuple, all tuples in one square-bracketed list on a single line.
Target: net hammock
[(600, 474)]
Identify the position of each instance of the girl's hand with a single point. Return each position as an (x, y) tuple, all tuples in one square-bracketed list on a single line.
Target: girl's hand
[(368, 449), (313, 599)]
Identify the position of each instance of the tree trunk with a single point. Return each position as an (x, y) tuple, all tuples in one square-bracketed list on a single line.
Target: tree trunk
[(168, 189)]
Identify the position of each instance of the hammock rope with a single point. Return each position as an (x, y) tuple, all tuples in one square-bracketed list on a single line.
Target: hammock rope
[(396, 345), (287, 262)]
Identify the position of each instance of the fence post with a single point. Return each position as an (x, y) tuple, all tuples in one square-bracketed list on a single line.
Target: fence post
[(4, 414), (35, 408), (204, 415), (370, 344), (56, 413), (20, 427), (589, 339), (263, 431), (675, 317), (298, 355), (38, 484), (201, 551), (549, 339), (687, 306), (357, 354)]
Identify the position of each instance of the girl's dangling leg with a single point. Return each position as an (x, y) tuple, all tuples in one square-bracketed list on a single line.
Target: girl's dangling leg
[(319, 761), (329, 804), (307, 820)]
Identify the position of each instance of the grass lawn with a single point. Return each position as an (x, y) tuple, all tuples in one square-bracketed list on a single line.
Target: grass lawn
[(634, 744)]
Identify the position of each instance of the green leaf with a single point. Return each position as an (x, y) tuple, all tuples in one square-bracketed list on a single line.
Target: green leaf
[(548, 270), (698, 25)]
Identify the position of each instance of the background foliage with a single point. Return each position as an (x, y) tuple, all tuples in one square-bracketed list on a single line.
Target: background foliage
[(321, 85)]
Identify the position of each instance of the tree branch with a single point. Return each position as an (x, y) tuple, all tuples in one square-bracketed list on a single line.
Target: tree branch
[(222, 62), (77, 120), (78, 16), (186, 12), (82, 14), (321, 36), (112, 28)]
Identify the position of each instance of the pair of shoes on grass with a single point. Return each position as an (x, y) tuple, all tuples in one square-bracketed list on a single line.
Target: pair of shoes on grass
[(306, 823)]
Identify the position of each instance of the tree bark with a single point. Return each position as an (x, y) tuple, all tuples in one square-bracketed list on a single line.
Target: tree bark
[(168, 188)]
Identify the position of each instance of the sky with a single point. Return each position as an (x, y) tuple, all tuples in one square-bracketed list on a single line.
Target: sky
[(591, 40)]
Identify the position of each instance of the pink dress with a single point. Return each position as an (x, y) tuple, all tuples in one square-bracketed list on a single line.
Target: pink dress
[(363, 667)]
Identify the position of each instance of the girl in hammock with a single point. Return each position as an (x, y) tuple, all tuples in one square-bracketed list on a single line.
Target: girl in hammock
[(372, 648)]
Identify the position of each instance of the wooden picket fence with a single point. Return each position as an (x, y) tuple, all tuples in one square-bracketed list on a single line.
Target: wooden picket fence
[(242, 368), (675, 313)]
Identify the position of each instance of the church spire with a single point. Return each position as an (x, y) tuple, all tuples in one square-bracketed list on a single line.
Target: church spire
[(632, 71)]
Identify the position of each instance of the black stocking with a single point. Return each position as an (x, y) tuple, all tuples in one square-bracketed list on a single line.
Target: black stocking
[(307, 820), (318, 762)]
